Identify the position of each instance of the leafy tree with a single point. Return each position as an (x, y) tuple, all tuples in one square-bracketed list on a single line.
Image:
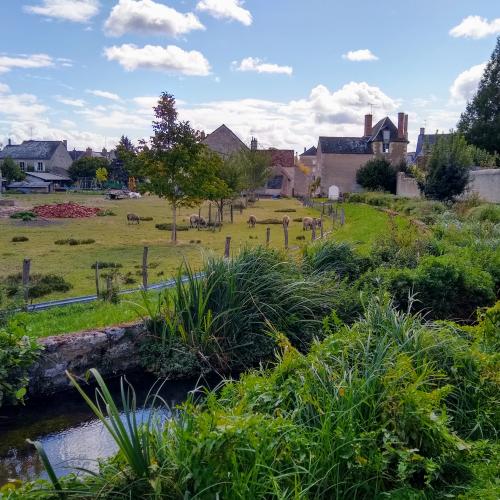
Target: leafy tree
[(483, 158), (447, 170), (177, 166), (257, 169), (11, 170), (86, 166), (125, 164), (101, 175), (377, 174), (480, 123)]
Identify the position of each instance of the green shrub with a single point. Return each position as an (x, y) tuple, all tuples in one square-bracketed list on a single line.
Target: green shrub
[(17, 239), (106, 213), (377, 174), (146, 219), (74, 242), (25, 216), (270, 221), (167, 226), (17, 353), (286, 210), (39, 285), (106, 265), (484, 213)]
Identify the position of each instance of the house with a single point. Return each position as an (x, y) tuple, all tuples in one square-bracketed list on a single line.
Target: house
[(90, 153), (39, 156), (224, 141), (306, 172), (339, 158), (424, 145)]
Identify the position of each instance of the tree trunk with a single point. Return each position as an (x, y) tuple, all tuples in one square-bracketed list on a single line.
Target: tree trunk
[(174, 223), (221, 210)]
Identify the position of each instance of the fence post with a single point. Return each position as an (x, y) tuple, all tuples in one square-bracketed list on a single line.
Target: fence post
[(321, 227), (227, 247), (199, 216), (109, 288), (97, 279), (209, 214), (232, 215), (145, 268), (26, 280), (342, 216), (313, 231), (323, 208), (285, 230), (268, 236)]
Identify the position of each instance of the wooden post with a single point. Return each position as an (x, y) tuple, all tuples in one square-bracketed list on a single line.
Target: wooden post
[(145, 268), (241, 208), (97, 279), (268, 236), (323, 208), (342, 216), (209, 213), (285, 230), (26, 280), (109, 286), (199, 217), (232, 214), (313, 231), (227, 247), (321, 227)]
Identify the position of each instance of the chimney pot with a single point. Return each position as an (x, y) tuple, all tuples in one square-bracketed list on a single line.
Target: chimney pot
[(422, 131), (401, 125), (65, 142), (10, 142), (253, 144), (368, 125), (406, 127)]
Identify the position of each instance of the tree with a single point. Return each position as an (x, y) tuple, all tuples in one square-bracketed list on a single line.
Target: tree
[(101, 175), (480, 123), (377, 174), (177, 166), (256, 167), (86, 166), (11, 170), (447, 169), (125, 164)]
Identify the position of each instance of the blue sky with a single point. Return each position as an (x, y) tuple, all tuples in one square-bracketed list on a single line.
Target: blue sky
[(285, 71)]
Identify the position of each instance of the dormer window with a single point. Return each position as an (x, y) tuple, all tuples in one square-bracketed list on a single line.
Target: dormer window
[(386, 135)]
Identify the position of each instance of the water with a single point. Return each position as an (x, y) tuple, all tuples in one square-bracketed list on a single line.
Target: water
[(68, 430)]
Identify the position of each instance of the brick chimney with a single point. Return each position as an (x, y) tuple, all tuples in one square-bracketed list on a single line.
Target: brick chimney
[(368, 125), (253, 144), (10, 142), (406, 127), (401, 125)]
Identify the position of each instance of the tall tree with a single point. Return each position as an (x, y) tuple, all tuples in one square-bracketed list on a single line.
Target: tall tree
[(257, 169), (86, 167), (177, 166), (11, 171), (480, 123), (447, 170), (125, 164)]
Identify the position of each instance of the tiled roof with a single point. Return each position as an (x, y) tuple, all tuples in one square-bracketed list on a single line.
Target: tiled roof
[(427, 140), (31, 150), (310, 152), (344, 145)]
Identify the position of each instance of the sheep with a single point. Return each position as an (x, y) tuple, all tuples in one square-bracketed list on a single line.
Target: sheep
[(252, 220), (197, 220), (317, 222), (286, 221), (307, 223), (133, 218)]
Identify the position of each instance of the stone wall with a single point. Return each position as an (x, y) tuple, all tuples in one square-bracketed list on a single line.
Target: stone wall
[(407, 186), (340, 170), (112, 350), (486, 184)]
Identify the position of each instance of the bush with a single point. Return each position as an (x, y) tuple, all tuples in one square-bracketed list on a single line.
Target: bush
[(106, 265), (167, 226), (106, 213), (286, 210), (17, 353), (145, 219), (17, 239), (25, 216), (377, 174), (270, 221), (74, 242), (484, 213), (39, 285)]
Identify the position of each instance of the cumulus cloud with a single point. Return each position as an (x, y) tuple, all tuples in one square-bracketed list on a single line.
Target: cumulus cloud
[(476, 27), (149, 17), (465, 84), (104, 94), (171, 59), (4, 88), (78, 11), (25, 61), (226, 9), (360, 55), (77, 103), (259, 66)]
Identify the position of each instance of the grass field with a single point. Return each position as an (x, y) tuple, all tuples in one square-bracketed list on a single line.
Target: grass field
[(119, 242)]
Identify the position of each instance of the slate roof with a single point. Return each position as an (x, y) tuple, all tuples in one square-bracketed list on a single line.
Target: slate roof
[(76, 155), (224, 141), (427, 140), (46, 176), (281, 157), (31, 150), (28, 184), (310, 152), (384, 124), (345, 145)]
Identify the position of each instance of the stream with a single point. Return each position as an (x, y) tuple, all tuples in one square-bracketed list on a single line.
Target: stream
[(70, 433)]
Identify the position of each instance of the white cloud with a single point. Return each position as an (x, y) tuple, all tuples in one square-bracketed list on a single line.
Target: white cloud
[(226, 9), (170, 59), (465, 84), (259, 66), (77, 103), (25, 61), (4, 88), (78, 11), (149, 17), (104, 94), (476, 27), (360, 55)]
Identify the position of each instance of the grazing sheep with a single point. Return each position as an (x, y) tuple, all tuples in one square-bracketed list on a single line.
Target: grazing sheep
[(307, 223), (317, 222), (286, 221), (133, 218), (197, 220), (252, 220)]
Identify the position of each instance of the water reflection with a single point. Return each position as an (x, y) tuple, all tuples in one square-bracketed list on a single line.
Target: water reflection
[(70, 434)]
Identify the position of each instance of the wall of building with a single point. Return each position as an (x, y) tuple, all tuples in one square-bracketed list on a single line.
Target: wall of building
[(340, 170), (407, 186), (397, 151), (60, 161)]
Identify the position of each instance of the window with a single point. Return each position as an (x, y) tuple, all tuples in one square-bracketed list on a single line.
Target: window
[(22, 166), (385, 147), (39, 166)]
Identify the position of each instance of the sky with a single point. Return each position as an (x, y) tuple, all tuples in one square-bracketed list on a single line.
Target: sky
[(284, 71)]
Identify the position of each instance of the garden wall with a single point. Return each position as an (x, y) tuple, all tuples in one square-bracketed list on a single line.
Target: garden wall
[(112, 350), (407, 186)]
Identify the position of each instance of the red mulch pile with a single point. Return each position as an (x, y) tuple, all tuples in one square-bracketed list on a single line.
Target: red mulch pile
[(65, 211)]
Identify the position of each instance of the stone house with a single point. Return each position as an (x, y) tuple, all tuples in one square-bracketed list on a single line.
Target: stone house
[(224, 142), (39, 156), (339, 158), (425, 142), (306, 172)]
